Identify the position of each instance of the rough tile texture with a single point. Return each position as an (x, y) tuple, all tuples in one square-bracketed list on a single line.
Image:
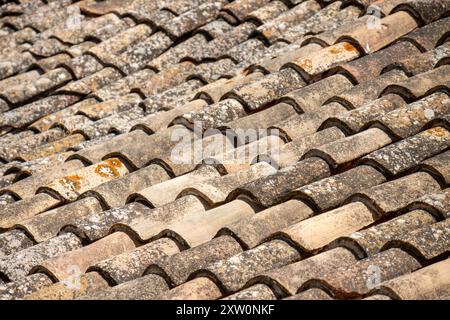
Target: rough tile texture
[(216, 149)]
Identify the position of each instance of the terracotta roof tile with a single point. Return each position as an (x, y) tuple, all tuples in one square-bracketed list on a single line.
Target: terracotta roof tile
[(266, 256), (13, 241), (240, 8), (274, 29), (92, 82), (29, 113), (439, 165), (174, 98), (273, 188), (100, 28), (186, 230), (310, 98), (408, 153), (145, 288), (197, 289), (245, 149), (175, 53), (422, 62), (26, 208), (294, 150), (216, 190), (291, 52), (267, 12), (167, 191), (429, 36), (215, 28), (27, 187), (365, 92), (152, 223), (19, 289), (385, 7), (177, 268), (116, 193), (330, 192), (312, 65), (46, 225), (354, 280), (46, 122), (214, 91), (425, 11), (132, 264), (370, 41), (428, 283), (369, 241), (71, 186), (213, 115), (17, 265), (410, 119), (61, 267), (83, 65), (16, 149), (354, 120), (330, 36), (72, 288), (256, 292), (254, 229), (223, 43), (435, 203), (341, 152), (424, 243), (311, 294), (194, 18), (384, 200), (296, 127), (288, 279), (329, 18), (47, 47), (332, 225), (271, 87), (123, 86), (418, 86)]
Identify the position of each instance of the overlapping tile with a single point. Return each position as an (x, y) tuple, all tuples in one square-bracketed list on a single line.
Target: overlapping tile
[(104, 104)]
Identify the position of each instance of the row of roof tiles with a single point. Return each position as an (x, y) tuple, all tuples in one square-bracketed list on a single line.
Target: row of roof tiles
[(93, 206)]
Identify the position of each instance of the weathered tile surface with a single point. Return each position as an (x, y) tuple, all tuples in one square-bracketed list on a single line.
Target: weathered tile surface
[(218, 149)]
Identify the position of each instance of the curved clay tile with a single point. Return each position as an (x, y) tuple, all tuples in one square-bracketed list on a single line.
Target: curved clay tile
[(177, 268), (426, 243), (438, 165), (424, 11), (323, 149), (384, 198), (411, 119), (436, 203), (19, 289), (231, 274), (341, 152), (354, 120), (370, 241), (274, 188), (428, 283), (358, 279), (408, 153), (366, 92), (422, 84), (46, 225), (330, 192), (131, 265), (69, 290)]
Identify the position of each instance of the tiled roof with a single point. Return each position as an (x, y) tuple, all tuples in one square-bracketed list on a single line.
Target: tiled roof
[(97, 98)]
